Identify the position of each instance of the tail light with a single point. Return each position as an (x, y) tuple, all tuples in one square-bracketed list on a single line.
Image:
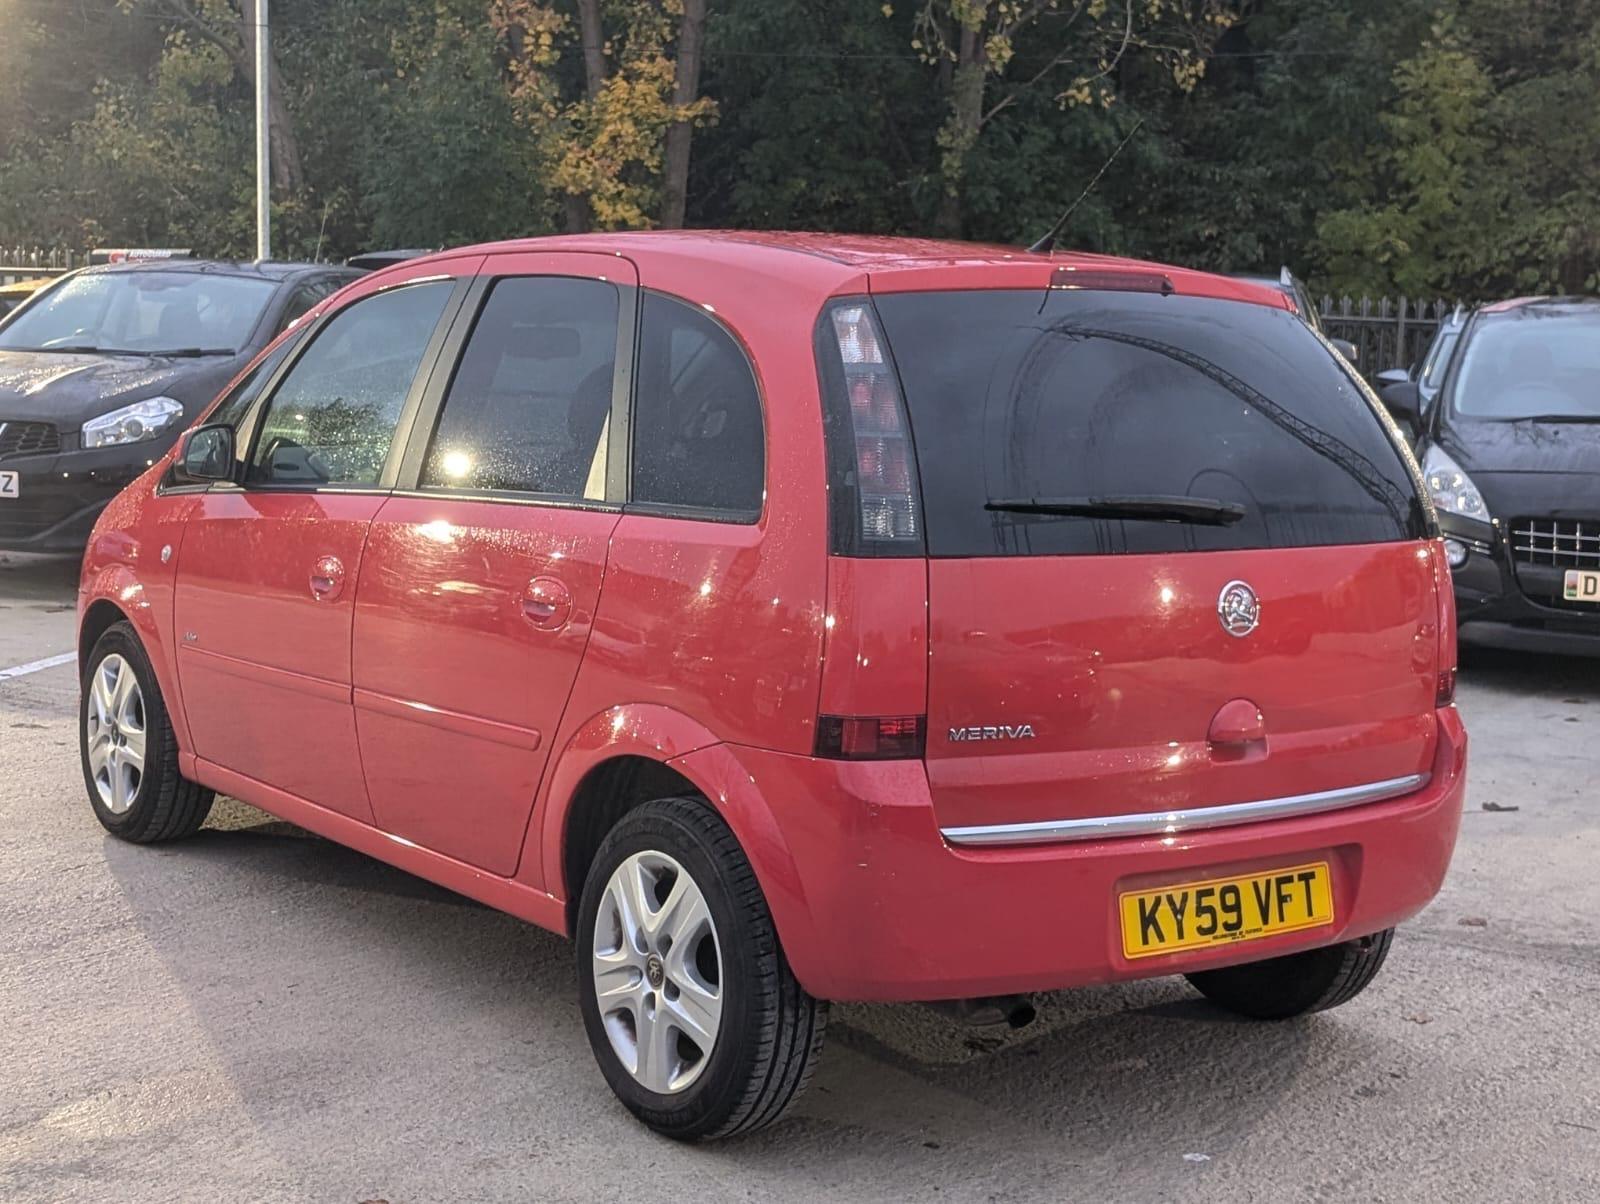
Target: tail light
[(873, 498), (871, 737)]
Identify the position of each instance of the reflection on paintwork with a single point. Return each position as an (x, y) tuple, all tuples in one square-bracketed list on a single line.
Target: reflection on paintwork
[(1123, 700)]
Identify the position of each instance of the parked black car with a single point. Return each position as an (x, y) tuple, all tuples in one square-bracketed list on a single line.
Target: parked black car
[(100, 374), (1413, 390), (1510, 448), (1294, 288)]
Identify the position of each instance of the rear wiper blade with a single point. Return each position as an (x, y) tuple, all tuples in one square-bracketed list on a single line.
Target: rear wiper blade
[(1155, 507)]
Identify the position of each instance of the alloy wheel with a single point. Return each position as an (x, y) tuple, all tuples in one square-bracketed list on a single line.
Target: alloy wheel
[(658, 972), (115, 734)]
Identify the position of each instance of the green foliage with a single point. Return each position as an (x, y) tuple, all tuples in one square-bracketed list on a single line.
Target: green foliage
[(444, 162), (1432, 147)]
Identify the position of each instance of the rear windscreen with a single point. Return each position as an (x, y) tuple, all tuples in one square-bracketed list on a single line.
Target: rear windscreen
[(1077, 397)]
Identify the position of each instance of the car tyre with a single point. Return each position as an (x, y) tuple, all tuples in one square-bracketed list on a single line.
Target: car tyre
[(1313, 981), (671, 876), (128, 749)]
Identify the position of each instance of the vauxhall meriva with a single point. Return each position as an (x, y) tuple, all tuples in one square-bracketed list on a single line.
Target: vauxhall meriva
[(795, 618)]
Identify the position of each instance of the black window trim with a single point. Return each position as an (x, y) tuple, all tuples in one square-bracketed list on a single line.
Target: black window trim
[(442, 372), (704, 514), (250, 422)]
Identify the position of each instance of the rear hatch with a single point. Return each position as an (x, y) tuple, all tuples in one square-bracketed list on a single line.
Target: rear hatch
[(1175, 559)]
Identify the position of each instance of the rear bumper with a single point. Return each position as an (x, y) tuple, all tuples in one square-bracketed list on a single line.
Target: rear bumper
[(871, 903)]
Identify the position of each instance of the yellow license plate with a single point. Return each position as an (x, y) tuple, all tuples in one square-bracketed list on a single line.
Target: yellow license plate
[(1219, 911)]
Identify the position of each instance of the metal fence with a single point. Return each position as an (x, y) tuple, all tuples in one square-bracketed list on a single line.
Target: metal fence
[(28, 263), (1386, 332)]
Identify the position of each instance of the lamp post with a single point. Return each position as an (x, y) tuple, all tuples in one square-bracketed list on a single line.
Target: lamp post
[(263, 130)]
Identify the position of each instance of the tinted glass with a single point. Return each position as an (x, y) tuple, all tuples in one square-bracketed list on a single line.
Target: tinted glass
[(333, 417), (300, 301), (1531, 365), (698, 442), (1439, 357), (529, 406), (1093, 395), (148, 312), (239, 398)]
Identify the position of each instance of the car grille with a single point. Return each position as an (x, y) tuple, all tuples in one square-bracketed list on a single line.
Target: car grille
[(28, 439), (1560, 542), (24, 517)]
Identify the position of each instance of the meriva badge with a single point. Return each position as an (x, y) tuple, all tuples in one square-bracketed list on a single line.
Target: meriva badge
[(1024, 732)]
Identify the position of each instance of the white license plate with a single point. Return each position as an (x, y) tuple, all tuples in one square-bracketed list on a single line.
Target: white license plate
[(1580, 585), (10, 484)]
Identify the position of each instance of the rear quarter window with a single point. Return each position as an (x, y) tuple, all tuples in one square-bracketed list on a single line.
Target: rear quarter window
[(1092, 395)]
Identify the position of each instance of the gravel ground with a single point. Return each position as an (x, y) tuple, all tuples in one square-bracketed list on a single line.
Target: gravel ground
[(257, 1014)]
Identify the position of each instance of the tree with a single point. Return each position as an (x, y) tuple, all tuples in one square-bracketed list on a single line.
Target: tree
[(603, 136), (441, 160), (974, 45), (232, 31), (1419, 238)]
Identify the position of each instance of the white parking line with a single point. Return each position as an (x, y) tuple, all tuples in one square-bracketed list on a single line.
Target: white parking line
[(49, 662)]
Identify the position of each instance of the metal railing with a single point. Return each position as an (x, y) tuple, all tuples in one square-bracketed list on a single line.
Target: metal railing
[(1388, 333), (28, 263)]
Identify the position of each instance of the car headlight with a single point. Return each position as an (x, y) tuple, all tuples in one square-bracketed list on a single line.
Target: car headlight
[(1452, 490), (133, 423)]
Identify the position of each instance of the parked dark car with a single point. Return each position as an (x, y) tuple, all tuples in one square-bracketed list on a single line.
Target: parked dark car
[(1291, 286), (99, 375), (1411, 391), (1510, 449)]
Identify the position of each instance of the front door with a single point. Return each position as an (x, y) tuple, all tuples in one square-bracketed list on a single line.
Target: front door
[(481, 579), (267, 568)]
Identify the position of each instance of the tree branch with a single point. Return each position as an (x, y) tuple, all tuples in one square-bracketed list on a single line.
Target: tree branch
[(184, 15)]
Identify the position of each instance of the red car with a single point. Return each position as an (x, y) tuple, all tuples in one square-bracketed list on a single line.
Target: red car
[(795, 618)]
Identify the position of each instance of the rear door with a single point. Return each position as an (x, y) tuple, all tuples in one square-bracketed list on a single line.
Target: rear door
[(482, 574), (1151, 518)]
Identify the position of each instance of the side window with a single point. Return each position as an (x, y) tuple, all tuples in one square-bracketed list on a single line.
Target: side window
[(528, 409), (333, 418), (300, 301), (698, 441), (239, 398)]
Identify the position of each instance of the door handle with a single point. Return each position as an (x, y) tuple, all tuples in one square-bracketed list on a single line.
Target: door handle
[(547, 604), (327, 579)]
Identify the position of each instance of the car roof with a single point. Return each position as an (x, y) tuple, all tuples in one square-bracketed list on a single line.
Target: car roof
[(1540, 307), (841, 262), (270, 270), (1276, 283)]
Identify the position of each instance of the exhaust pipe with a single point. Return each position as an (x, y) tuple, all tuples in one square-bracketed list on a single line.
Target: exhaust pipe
[(987, 1011)]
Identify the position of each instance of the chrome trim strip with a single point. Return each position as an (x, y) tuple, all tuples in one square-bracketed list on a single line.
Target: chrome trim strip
[(1194, 819)]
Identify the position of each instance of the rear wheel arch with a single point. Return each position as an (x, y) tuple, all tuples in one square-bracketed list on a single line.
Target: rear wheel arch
[(626, 756), (606, 793)]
